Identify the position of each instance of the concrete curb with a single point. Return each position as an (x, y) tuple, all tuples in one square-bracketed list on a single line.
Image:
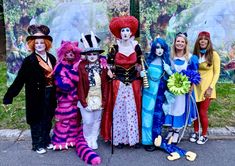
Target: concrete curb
[(227, 132)]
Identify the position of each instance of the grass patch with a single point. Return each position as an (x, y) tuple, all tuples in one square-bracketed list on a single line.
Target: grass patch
[(15, 117), (222, 109), (221, 112)]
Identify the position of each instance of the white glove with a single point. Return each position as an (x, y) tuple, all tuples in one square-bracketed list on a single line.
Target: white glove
[(167, 68), (88, 109), (79, 105), (142, 73)]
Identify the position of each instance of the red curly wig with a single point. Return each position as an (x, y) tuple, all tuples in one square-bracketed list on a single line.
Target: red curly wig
[(117, 23)]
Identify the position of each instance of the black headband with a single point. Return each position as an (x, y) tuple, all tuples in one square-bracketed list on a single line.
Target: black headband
[(180, 33)]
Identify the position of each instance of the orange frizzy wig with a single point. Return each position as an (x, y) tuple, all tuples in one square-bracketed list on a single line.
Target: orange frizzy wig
[(117, 23), (31, 44)]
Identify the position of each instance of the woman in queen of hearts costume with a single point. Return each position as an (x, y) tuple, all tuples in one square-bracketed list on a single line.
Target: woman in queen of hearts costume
[(92, 88), (124, 104)]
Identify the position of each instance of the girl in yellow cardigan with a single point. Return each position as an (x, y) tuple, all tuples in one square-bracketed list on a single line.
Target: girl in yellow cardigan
[(209, 69)]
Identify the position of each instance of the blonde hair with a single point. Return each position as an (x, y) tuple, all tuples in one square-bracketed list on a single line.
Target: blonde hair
[(31, 44), (186, 50)]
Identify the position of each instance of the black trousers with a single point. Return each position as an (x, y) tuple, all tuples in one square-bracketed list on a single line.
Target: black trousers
[(40, 130)]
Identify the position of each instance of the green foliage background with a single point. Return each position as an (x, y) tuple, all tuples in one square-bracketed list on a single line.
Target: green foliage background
[(150, 11), (15, 9)]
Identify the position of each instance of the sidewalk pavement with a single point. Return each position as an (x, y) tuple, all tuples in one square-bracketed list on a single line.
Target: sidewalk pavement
[(227, 132)]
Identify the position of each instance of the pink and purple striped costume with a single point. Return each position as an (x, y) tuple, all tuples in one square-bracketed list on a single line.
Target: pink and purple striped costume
[(66, 113), (68, 130)]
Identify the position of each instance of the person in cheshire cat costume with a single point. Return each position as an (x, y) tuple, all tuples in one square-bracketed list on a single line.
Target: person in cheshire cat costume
[(66, 80), (68, 130)]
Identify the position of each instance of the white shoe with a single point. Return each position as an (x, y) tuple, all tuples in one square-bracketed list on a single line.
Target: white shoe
[(193, 137), (175, 138), (41, 151), (202, 140), (94, 145), (89, 144), (170, 133), (50, 146)]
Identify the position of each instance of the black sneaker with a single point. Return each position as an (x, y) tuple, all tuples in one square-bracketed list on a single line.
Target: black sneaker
[(202, 140)]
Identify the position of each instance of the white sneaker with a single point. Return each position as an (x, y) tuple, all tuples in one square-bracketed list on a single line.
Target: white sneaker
[(49, 146), (170, 133), (193, 137), (175, 138), (202, 140), (94, 145), (41, 151), (89, 143)]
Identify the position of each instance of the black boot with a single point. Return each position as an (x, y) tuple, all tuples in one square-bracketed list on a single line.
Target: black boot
[(137, 146), (149, 148), (120, 146)]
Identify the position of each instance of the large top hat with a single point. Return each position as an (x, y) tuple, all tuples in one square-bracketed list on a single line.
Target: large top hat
[(117, 23), (91, 43), (38, 32)]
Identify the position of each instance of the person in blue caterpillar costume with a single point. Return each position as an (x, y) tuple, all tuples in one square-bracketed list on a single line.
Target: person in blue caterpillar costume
[(153, 98), (157, 79)]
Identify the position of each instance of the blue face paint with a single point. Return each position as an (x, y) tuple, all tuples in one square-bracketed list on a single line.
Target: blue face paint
[(203, 51)]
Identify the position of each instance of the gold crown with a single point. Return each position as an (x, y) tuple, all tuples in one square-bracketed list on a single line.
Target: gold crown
[(124, 13)]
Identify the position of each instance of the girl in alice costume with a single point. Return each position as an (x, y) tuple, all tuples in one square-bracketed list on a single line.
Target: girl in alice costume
[(179, 114), (92, 88)]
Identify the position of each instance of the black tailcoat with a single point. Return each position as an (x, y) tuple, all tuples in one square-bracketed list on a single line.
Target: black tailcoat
[(32, 76)]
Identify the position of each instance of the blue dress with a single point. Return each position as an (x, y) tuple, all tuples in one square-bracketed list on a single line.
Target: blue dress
[(148, 102), (177, 115)]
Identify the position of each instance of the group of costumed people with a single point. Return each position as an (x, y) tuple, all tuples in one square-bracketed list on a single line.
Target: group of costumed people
[(127, 99)]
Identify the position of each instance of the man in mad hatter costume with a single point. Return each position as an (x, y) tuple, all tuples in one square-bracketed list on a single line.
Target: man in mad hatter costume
[(36, 74)]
